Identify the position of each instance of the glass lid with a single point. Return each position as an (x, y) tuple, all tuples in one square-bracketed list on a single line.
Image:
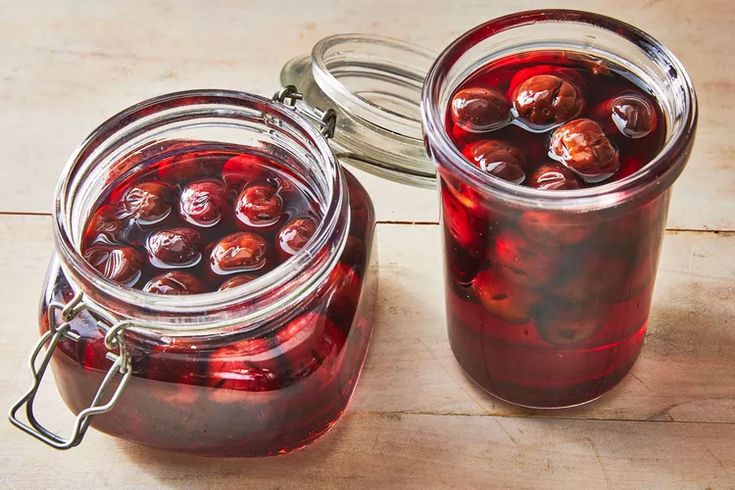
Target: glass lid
[(374, 84)]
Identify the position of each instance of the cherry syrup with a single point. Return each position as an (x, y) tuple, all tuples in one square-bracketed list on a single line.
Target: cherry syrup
[(549, 308), (200, 218)]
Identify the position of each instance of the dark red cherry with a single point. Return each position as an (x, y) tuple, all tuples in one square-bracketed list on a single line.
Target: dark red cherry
[(345, 286), (248, 365), (569, 74), (599, 274), (259, 206), (564, 324), (239, 252), (180, 167), (294, 235), (547, 99), (93, 353), (498, 158), (174, 283), (582, 146), (236, 281), (554, 228), (201, 202), (147, 202), (523, 261), (175, 246), (105, 226), (244, 169), (554, 176), (478, 109), (307, 342), (510, 302), (631, 114), (121, 264), (465, 229)]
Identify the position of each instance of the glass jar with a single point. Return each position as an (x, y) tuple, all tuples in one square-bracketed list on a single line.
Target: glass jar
[(565, 322), (259, 369)]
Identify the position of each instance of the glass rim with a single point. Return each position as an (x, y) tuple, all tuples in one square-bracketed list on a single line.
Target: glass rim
[(669, 160), (212, 302), (374, 84), (353, 102)]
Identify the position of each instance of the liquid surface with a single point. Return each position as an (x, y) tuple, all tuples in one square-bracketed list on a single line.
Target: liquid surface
[(531, 96), (200, 219)]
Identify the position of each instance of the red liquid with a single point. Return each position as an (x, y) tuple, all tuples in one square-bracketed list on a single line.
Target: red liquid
[(549, 309), (233, 394)]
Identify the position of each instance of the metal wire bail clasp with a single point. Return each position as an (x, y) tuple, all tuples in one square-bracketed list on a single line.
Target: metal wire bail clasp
[(326, 120), (121, 365)]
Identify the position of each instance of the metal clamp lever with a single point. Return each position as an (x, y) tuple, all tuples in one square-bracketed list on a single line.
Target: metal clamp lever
[(121, 365), (326, 120)]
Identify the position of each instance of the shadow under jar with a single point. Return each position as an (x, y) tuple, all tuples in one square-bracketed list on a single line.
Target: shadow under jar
[(548, 292), (260, 368)]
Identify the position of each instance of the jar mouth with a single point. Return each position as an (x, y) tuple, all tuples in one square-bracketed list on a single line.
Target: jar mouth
[(298, 275), (659, 173)]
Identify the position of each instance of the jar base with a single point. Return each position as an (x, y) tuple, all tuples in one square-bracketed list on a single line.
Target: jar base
[(536, 407), (610, 381)]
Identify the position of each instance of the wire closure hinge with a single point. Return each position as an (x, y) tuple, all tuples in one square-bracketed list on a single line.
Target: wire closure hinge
[(56, 332), (326, 120)]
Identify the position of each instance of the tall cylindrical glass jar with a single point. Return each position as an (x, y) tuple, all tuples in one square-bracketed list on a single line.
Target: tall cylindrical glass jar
[(548, 293), (258, 369)]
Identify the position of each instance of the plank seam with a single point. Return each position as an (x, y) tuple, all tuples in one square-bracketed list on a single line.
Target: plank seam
[(393, 413)]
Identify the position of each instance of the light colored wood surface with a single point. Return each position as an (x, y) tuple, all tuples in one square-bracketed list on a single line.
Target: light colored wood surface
[(66, 66), (415, 420)]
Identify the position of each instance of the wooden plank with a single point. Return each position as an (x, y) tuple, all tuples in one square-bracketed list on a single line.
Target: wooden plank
[(685, 373), (415, 420), (67, 67), (370, 450)]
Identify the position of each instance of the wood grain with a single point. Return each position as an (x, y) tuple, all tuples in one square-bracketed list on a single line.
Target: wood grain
[(374, 450), (67, 66), (415, 420)]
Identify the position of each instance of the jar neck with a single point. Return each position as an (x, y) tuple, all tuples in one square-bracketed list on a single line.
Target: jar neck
[(587, 34), (113, 151)]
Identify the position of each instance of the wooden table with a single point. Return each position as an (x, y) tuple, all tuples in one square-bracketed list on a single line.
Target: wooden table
[(415, 420)]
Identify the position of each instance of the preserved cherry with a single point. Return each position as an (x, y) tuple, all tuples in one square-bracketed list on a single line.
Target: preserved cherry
[(631, 113), (202, 202), (174, 282), (118, 263), (236, 281), (239, 252), (547, 99), (553, 177), (147, 201), (478, 109), (582, 146), (175, 246), (498, 158), (547, 308), (294, 235), (259, 206)]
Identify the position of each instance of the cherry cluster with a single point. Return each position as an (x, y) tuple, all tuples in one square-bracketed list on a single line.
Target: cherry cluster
[(547, 307), (562, 108), (200, 221)]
